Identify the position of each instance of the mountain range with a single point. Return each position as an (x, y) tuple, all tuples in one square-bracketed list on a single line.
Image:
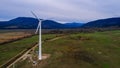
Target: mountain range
[(31, 23)]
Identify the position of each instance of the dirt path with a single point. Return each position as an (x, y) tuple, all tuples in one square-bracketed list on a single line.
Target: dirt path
[(18, 57), (56, 38)]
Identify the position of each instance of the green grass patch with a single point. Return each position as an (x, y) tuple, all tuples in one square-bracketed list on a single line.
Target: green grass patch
[(7, 51), (85, 50)]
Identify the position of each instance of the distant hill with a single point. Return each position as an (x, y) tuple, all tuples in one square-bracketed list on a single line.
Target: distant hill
[(102, 23), (19, 23), (73, 25), (29, 23), (50, 24)]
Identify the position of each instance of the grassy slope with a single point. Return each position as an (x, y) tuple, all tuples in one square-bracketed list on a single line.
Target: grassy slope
[(9, 50), (93, 50)]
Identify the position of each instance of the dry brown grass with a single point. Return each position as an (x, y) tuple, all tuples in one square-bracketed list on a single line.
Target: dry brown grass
[(6, 37)]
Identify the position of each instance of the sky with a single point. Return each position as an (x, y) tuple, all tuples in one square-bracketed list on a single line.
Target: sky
[(60, 10)]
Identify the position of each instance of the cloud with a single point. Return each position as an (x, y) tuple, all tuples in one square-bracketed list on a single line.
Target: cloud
[(61, 10)]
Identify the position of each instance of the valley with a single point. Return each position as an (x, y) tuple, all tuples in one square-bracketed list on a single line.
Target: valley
[(93, 50)]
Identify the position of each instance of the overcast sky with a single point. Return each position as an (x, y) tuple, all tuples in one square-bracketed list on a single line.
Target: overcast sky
[(60, 10)]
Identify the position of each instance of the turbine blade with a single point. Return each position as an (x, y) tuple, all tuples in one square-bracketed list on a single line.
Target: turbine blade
[(38, 20), (34, 15), (37, 28)]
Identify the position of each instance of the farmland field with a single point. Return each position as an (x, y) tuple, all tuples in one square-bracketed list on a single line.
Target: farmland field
[(5, 37), (82, 50)]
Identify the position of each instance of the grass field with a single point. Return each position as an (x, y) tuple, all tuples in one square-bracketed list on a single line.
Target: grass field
[(9, 50), (82, 50)]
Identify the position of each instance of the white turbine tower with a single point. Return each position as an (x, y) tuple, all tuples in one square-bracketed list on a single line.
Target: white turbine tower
[(39, 28)]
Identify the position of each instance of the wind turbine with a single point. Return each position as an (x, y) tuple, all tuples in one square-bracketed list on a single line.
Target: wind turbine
[(39, 28)]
